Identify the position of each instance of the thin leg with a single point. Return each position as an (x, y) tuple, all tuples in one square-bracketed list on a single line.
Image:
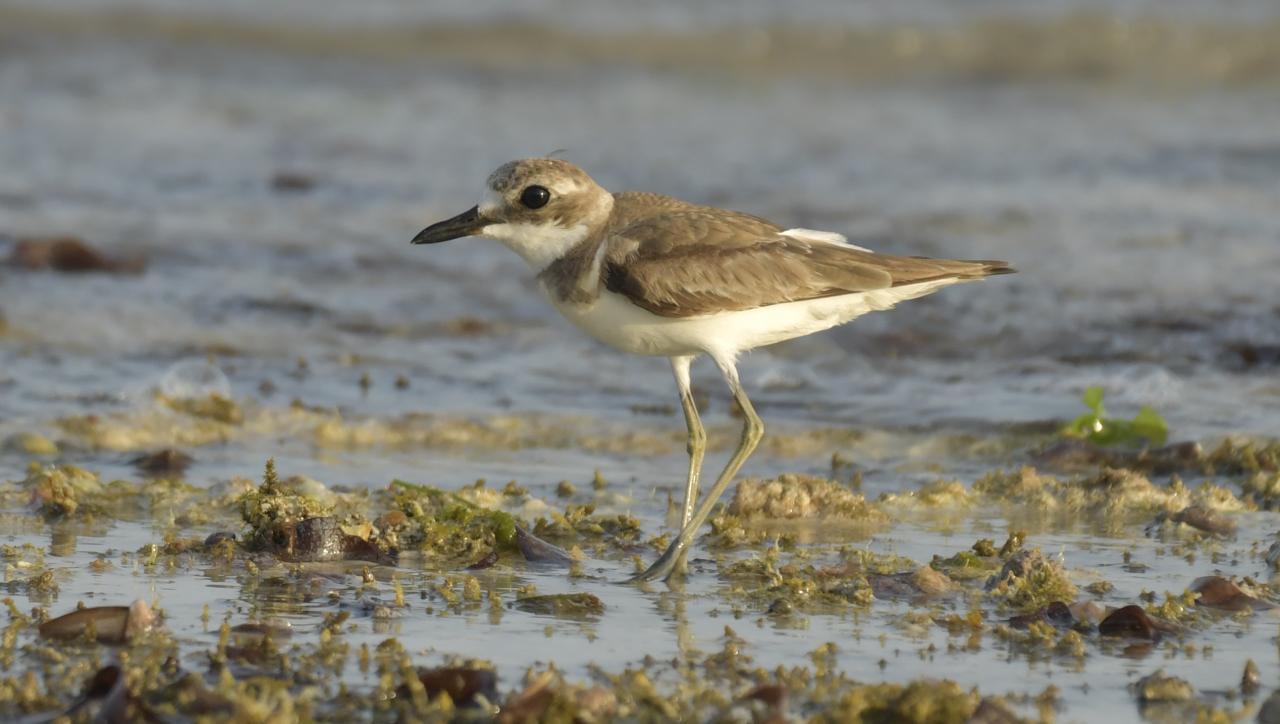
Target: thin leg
[(752, 431), (697, 436)]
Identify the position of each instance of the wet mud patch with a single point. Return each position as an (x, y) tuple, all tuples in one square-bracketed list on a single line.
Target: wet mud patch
[(308, 589)]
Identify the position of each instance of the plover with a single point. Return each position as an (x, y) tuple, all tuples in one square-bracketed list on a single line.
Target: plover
[(653, 275)]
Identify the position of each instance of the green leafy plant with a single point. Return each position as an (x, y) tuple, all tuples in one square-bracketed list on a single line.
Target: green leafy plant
[(1147, 426)]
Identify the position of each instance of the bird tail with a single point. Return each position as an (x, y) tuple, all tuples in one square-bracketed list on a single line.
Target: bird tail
[(989, 268)]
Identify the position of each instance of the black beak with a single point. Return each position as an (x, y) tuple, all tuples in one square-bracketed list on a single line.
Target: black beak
[(467, 223)]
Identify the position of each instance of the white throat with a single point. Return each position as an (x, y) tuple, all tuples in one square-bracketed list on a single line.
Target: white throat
[(538, 245)]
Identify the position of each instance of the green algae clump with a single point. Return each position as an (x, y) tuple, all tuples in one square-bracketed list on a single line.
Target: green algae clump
[(979, 561), (1147, 426), (445, 526)]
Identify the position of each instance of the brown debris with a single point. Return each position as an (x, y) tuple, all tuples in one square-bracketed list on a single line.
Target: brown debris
[(1247, 355), (1075, 454), (468, 326), (1251, 679), (924, 582), (292, 181), (462, 683), (1222, 593), (773, 696), (530, 704), (392, 519), (1056, 614), (488, 560), (1133, 621), (322, 539), (278, 631), (547, 698), (168, 463), (1205, 519), (67, 254), (107, 699), (106, 624), (536, 550), (1270, 711), (993, 711), (219, 537)]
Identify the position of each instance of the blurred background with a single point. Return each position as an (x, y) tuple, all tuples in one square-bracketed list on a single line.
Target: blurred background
[(243, 179)]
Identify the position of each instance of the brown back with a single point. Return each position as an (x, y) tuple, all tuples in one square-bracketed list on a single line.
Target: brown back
[(682, 260)]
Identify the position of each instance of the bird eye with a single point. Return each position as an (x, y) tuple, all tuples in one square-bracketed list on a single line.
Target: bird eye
[(535, 197)]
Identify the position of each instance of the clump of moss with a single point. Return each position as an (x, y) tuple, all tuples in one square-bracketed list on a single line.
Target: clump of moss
[(800, 496), (212, 407), (31, 443), (1234, 457), (809, 586), (571, 605), (1159, 686), (293, 519), (61, 490), (1117, 492), (68, 491), (919, 702), (170, 423), (274, 504), (858, 578), (787, 508), (1112, 494), (1263, 488), (1029, 580), (579, 522), (948, 494)]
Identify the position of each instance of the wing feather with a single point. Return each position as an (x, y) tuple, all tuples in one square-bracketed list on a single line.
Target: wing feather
[(692, 261)]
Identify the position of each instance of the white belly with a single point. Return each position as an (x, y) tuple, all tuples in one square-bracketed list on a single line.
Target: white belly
[(614, 320)]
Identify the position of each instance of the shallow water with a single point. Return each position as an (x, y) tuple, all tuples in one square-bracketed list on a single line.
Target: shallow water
[(1126, 158)]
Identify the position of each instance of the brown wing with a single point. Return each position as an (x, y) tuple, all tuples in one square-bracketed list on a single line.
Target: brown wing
[(696, 261)]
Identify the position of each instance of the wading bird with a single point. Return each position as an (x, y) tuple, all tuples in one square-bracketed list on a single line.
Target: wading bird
[(653, 275)]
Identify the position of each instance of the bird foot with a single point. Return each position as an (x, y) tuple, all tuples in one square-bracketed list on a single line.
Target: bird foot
[(668, 563)]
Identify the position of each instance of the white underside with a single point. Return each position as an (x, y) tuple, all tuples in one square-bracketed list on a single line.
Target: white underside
[(614, 320), (822, 237)]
